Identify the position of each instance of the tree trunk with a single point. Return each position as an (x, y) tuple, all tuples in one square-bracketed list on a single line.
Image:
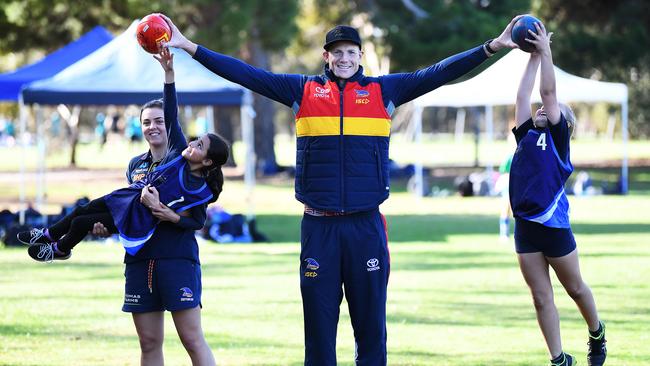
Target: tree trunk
[(223, 124), (74, 139), (265, 113), (71, 118)]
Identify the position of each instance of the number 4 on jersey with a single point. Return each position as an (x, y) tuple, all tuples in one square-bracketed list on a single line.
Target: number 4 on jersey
[(541, 140)]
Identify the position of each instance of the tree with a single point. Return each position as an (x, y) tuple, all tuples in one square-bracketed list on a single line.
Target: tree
[(605, 40), (42, 25), (254, 31)]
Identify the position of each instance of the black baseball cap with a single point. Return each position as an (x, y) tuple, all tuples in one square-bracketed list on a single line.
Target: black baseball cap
[(342, 33)]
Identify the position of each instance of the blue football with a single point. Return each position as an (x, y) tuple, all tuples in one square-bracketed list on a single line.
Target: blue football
[(520, 32)]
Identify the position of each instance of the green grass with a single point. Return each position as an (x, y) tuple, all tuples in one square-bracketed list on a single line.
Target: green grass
[(455, 297)]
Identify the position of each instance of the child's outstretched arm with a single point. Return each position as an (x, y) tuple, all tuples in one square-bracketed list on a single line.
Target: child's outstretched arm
[(547, 90), (166, 60), (175, 137), (523, 111)]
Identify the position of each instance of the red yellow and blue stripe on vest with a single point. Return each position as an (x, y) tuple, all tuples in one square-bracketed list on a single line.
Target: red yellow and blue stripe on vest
[(364, 112)]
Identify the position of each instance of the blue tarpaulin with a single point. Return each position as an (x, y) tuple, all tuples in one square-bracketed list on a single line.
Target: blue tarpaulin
[(12, 82), (122, 73)]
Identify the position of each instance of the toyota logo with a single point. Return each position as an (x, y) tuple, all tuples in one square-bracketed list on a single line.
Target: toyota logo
[(374, 262)]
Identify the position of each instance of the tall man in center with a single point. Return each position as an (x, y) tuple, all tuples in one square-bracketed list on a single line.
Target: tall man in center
[(343, 130)]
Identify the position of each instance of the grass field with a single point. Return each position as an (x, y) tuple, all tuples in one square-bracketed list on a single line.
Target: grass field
[(455, 297)]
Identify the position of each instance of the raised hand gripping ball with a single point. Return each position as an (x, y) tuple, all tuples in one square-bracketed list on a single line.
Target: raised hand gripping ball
[(520, 32), (152, 31)]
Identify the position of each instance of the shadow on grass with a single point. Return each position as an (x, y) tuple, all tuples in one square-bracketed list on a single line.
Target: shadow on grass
[(430, 228)]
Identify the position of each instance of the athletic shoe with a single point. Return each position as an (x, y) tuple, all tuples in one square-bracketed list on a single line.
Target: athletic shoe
[(47, 253), (564, 360), (597, 349), (32, 237)]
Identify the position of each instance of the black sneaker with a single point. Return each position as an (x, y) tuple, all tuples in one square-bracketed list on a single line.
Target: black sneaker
[(32, 237), (46, 253), (564, 359), (597, 348)]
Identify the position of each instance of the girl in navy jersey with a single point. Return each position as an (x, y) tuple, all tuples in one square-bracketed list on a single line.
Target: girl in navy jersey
[(540, 168), (188, 176)]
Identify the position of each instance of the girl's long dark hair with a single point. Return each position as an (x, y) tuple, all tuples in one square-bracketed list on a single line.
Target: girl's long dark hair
[(218, 152)]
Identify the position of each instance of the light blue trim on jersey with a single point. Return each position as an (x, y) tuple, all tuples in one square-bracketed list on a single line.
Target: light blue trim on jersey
[(133, 245), (181, 181), (547, 218)]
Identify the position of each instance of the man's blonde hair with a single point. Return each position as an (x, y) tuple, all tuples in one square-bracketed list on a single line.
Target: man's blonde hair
[(569, 116)]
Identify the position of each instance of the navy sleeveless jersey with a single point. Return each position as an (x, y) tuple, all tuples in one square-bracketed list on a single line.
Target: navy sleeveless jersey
[(540, 168), (134, 221)]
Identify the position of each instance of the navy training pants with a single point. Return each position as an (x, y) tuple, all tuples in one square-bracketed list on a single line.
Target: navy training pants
[(344, 254)]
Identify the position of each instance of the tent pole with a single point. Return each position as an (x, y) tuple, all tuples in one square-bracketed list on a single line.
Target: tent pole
[(40, 144), (459, 132), (248, 136), (624, 170), (23, 162), (489, 131), (419, 177), (209, 116)]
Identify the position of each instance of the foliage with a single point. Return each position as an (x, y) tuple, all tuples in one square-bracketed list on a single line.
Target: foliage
[(605, 40), (449, 27), (45, 25)]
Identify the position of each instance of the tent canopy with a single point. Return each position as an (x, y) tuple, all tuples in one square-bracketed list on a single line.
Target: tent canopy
[(497, 85), (121, 72), (12, 82)]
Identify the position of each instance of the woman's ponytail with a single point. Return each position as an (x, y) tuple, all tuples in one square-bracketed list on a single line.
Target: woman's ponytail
[(218, 152)]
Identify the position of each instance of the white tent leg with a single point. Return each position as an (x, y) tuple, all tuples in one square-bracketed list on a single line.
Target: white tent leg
[(418, 178), (40, 144), (489, 131), (459, 132), (23, 142), (248, 135), (624, 171), (209, 117)]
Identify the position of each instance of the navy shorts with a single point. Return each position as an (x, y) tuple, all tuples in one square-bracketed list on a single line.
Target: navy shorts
[(162, 284), (532, 237)]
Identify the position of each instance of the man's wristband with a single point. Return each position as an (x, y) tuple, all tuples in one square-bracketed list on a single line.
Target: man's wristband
[(489, 49)]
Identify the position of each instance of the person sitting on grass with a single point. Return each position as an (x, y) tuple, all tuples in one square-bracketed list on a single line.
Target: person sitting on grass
[(189, 175)]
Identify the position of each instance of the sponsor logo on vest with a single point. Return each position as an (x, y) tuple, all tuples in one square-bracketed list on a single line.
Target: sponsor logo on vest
[(311, 274), (361, 93), (364, 94), (322, 92), (373, 264)]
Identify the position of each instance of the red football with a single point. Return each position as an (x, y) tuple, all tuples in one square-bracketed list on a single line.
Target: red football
[(152, 31)]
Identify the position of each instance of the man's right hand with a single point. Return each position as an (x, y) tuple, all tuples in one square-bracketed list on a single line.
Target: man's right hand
[(505, 38), (100, 230), (178, 40)]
